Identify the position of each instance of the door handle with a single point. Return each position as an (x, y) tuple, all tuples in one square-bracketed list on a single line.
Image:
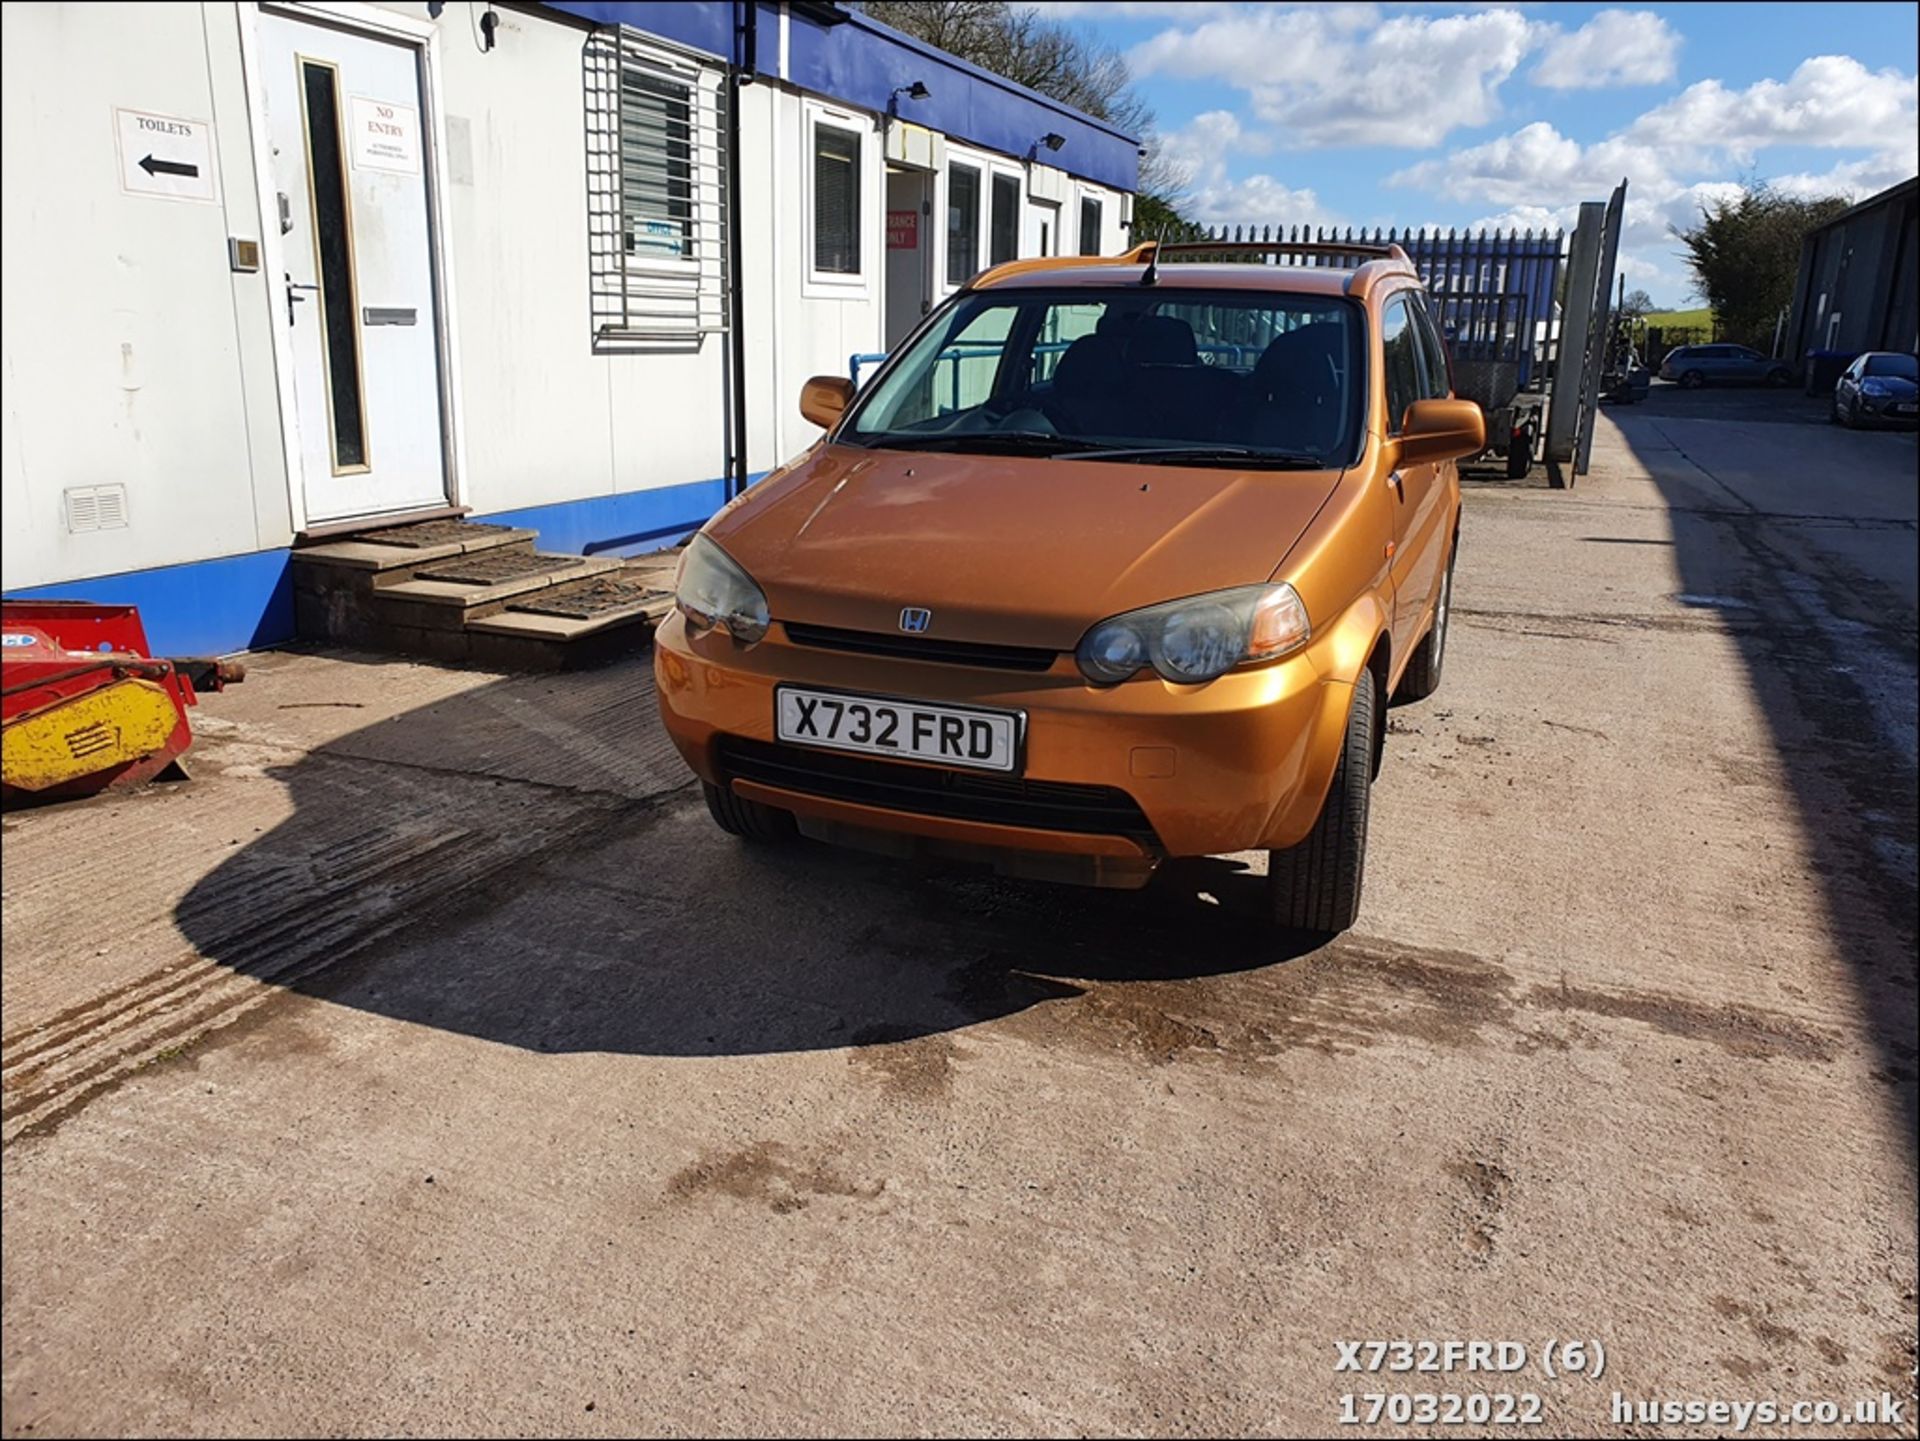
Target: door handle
[(1393, 479), (294, 286)]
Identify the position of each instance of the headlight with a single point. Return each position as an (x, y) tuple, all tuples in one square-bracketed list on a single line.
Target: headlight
[(1875, 388), (713, 592), (1196, 639)]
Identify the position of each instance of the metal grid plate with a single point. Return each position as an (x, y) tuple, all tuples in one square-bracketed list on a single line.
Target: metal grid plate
[(586, 599), (491, 567), (427, 533)]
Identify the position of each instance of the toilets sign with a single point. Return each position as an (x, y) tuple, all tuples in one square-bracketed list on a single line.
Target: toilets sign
[(385, 136), (165, 156)]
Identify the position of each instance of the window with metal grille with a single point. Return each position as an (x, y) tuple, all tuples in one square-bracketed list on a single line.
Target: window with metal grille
[(963, 223), (1089, 226), (656, 165), (658, 267), (836, 200), (1004, 231)]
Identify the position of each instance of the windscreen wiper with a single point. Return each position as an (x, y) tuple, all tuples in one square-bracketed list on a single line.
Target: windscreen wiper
[(1006, 442), (1201, 455)]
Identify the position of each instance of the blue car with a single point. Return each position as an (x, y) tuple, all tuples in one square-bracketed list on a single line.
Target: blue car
[(1879, 388)]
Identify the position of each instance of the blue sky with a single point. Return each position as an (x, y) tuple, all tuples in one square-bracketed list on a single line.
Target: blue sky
[(1462, 114)]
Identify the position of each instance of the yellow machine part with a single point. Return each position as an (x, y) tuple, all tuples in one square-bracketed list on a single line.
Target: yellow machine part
[(92, 732)]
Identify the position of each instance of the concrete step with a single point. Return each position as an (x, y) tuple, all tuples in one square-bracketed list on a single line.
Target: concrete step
[(601, 608), (466, 596), (380, 553)]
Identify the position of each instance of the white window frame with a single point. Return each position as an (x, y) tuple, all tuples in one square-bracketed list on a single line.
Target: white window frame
[(668, 70), (834, 284), (983, 165), (996, 169), (1081, 195)]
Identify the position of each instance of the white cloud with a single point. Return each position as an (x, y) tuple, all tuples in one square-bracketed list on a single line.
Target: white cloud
[(1201, 148), (1615, 47), (1829, 101), (1339, 75)]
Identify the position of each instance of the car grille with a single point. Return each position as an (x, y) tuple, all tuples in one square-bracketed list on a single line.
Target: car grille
[(920, 647), (924, 790)]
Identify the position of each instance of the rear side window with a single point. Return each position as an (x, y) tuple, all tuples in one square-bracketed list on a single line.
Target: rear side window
[(1402, 361), (1436, 384)]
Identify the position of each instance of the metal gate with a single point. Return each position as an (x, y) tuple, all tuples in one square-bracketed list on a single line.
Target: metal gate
[(1512, 305)]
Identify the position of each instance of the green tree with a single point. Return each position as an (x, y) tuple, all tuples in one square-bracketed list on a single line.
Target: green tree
[(1745, 256), (1059, 61)]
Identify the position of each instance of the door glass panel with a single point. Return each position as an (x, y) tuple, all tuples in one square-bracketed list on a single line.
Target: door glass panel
[(1003, 241), (333, 252)]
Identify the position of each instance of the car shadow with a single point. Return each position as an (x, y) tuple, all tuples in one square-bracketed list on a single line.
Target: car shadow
[(506, 864)]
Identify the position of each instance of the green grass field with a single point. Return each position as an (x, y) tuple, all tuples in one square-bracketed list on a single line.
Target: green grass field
[(1701, 319)]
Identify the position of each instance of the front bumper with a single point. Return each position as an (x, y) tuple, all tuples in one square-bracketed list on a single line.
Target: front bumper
[(1241, 763), (1886, 409)]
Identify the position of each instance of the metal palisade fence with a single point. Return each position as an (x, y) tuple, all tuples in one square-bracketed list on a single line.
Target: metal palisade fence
[(1506, 299)]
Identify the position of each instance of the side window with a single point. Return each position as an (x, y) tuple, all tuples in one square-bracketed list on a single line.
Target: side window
[(1435, 382), (1063, 325), (1402, 361), (1089, 225), (836, 200), (963, 223)]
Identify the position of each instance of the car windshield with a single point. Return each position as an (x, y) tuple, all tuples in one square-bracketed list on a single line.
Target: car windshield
[(1128, 373), (1902, 366)]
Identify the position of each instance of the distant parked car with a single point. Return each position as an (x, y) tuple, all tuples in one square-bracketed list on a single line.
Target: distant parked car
[(1693, 366), (1878, 388)]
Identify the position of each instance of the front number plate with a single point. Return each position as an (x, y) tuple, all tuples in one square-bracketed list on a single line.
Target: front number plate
[(986, 740)]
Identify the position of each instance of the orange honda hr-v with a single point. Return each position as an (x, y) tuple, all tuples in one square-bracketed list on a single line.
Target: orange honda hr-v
[(1113, 561)]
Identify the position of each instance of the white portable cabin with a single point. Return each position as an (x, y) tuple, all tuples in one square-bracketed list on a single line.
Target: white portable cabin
[(279, 271)]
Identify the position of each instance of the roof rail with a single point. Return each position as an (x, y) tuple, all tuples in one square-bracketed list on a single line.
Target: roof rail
[(1284, 247), (1140, 255)]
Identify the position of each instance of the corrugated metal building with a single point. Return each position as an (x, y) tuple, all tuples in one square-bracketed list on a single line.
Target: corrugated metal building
[(276, 271), (1859, 285)]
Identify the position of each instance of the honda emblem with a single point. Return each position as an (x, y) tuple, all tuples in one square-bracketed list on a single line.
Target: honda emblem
[(914, 620)]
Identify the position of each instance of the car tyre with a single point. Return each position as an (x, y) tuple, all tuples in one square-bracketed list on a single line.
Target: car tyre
[(1421, 678), (1315, 886), (1692, 380), (1779, 377), (749, 820)]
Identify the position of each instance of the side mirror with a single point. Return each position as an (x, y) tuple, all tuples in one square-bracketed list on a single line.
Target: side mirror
[(823, 400), (1436, 430)]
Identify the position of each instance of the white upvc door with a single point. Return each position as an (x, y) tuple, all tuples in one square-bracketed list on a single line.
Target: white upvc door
[(347, 126)]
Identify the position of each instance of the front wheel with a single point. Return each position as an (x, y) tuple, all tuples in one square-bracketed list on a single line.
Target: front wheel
[(1692, 380), (1315, 886), (1778, 378), (747, 819)]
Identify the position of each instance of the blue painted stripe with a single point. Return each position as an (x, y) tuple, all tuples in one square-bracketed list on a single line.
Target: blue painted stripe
[(632, 522), (245, 602), (205, 607)]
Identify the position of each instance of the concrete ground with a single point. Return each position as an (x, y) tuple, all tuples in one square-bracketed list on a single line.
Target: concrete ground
[(430, 1064)]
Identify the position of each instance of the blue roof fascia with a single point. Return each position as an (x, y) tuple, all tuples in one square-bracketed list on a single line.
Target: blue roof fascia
[(704, 25), (861, 62)]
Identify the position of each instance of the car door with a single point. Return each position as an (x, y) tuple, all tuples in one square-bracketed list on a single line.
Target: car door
[(1415, 566), (1747, 365)]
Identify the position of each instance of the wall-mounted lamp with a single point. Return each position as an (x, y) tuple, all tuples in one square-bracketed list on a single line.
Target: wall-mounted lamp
[(1050, 140), (916, 91)]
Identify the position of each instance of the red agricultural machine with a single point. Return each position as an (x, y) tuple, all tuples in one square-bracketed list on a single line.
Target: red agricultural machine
[(87, 706)]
